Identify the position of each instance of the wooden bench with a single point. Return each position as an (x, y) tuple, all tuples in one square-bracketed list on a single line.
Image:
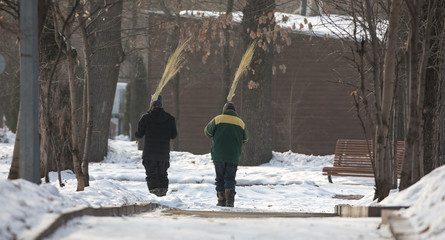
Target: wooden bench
[(352, 159)]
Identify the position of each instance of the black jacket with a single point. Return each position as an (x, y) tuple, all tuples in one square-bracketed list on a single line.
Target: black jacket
[(158, 127)]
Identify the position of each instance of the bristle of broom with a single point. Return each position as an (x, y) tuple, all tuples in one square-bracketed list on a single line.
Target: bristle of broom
[(174, 64), (245, 61)]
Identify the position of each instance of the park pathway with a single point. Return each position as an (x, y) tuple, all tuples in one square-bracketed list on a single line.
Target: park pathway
[(227, 224), (228, 213)]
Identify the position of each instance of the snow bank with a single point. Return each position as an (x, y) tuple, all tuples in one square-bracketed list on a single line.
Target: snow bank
[(427, 201), (294, 159), (24, 204)]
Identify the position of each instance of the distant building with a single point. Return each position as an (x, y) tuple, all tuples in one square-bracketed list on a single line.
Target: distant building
[(117, 114), (311, 105)]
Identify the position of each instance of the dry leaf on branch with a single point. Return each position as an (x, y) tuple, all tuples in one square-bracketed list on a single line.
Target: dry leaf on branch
[(283, 68), (253, 85), (252, 35)]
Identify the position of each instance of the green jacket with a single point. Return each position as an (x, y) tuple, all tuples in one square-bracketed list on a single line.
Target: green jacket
[(229, 133)]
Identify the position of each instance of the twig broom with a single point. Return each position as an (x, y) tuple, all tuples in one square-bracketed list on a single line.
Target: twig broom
[(174, 64), (245, 61)]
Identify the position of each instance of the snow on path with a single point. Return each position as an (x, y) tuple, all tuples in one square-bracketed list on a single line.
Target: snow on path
[(157, 226)]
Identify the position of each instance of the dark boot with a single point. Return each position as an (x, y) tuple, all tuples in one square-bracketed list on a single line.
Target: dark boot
[(155, 191), (221, 199), (162, 192), (230, 197)]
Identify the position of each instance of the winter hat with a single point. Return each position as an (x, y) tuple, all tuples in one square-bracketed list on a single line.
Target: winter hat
[(229, 106), (158, 103)]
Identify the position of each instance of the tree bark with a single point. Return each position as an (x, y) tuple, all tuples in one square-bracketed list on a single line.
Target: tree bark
[(137, 92), (54, 106), (88, 110), (172, 42), (385, 166), (15, 163), (74, 128), (104, 37), (431, 108), (442, 96), (256, 97), (176, 112), (227, 70), (74, 103), (411, 163)]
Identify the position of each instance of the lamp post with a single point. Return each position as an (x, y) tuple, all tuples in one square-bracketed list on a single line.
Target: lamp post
[(29, 94)]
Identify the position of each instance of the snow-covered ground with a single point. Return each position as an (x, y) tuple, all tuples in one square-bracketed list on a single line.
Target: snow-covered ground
[(157, 226), (290, 182)]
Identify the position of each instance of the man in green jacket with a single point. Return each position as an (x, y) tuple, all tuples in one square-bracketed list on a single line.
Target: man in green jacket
[(229, 133)]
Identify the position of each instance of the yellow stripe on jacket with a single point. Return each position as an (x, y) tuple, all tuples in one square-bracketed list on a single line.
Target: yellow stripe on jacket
[(224, 118)]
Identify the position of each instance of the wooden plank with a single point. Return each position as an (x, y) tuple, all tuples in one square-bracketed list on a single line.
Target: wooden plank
[(352, 158)]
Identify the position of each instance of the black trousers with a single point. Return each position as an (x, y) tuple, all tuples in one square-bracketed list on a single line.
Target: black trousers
[(156, 171)]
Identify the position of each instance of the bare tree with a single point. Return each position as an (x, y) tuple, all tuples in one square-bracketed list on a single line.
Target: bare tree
[(384, 166), (433, 84), (104, 37), (380, 53), (258, 24), (63, 25), (374, 52), (227, 71), (422, 15), (134, 70)]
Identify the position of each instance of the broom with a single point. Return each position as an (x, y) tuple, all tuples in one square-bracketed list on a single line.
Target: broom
[(245, 61), (174, 64)]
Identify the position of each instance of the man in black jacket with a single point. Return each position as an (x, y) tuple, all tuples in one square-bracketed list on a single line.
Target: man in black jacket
[(158, 127)]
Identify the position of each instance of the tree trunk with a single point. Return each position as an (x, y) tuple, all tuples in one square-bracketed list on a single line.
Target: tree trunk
[(74, 128), (71, 55), (54, 104), (442, 115), (1, 116), (411, 163), (378, 157), (431, 110), (290, 108), (227, 70), (138, 93), (172, 42), (382, 149), (256, 96), (104, 37), (430, 119), (442, 97), (14, 171), (176, 102), (13, 102), (88, 111)]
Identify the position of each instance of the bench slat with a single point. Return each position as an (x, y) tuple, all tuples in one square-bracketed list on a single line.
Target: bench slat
[(352, 158)]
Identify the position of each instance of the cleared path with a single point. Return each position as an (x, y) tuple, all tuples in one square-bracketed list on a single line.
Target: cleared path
[(228, 213), (180, 224)]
